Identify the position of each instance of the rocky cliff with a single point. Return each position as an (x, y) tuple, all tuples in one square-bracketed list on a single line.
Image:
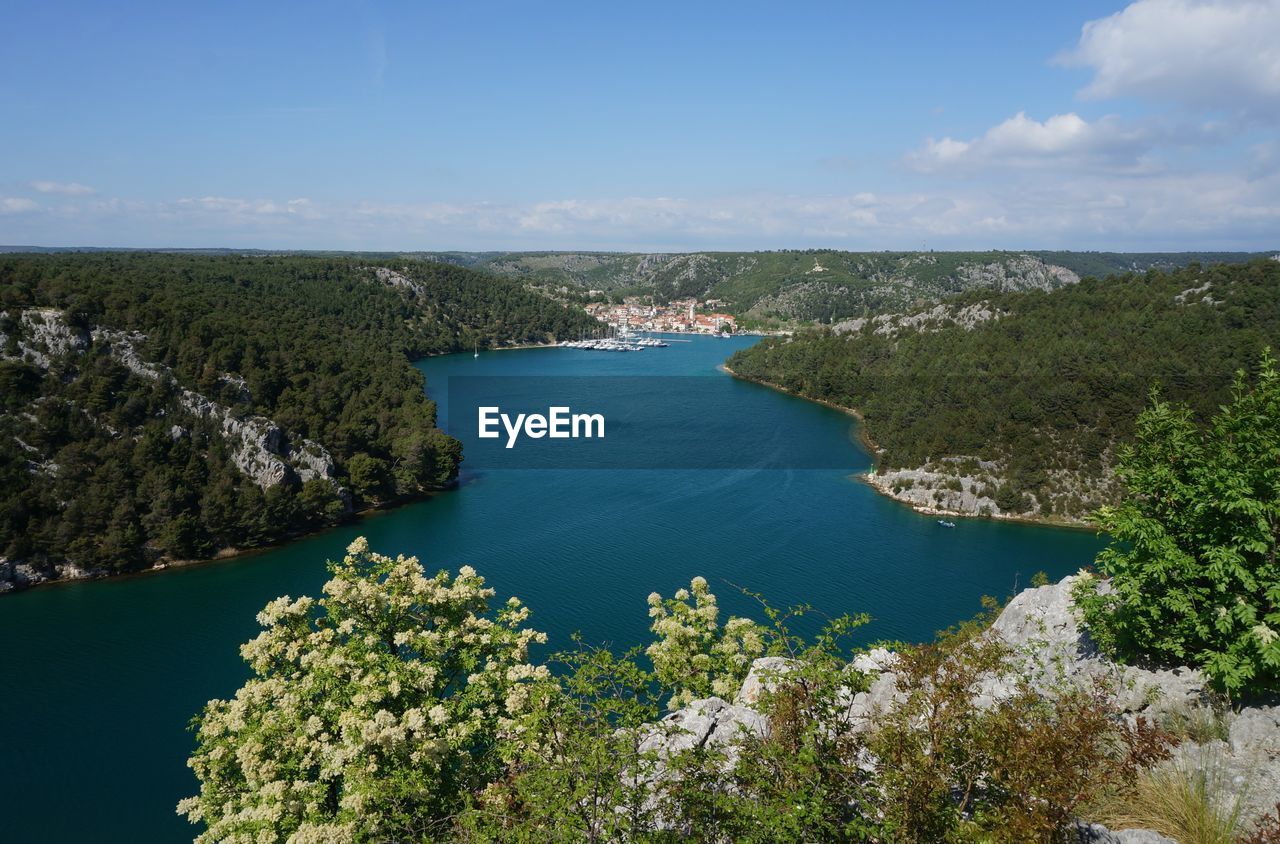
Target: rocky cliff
[(257, 446), (260, 448)]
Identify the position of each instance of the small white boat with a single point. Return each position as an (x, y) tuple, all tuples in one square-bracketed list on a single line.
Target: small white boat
[(946, 524)]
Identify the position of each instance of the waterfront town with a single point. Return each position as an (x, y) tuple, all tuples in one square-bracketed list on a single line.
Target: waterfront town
[(680, 316)]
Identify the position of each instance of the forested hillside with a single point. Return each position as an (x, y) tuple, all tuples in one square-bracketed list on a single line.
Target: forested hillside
[(170, 406), (1013, 403), (788, 286)]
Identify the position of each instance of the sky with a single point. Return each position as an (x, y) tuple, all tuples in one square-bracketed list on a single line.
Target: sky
[(653, 126)]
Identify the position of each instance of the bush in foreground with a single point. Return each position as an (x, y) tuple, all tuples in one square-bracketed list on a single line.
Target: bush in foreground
[(371, 712), (1194, 575), (403, 707)]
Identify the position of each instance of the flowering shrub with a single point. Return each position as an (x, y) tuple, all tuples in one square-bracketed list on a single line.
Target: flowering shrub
[(693, 654), (578, 767), (371, 711), (402, 708)]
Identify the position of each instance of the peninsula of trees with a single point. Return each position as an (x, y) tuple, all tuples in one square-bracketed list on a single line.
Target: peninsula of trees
[(1013, 403)]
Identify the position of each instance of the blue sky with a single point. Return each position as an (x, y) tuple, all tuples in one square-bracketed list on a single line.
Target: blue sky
[(525, 125)]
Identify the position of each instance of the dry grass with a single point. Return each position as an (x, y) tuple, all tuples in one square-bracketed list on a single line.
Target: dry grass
[(1191, 800), (1198, 724)]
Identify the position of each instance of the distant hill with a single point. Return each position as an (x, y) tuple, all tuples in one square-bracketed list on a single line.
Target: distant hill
[(818, 285)]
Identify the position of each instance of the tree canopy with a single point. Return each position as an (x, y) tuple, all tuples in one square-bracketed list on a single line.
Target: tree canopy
[(105, 468), (1047, 383)]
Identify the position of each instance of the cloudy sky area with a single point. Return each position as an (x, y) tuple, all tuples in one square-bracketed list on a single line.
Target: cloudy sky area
[(663, 126)]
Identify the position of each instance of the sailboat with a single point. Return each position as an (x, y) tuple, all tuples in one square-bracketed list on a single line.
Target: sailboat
[(477, 354)]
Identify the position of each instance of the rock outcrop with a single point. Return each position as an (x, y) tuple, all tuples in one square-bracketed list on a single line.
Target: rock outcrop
[(400, 280), (969, 486), (1041, 625), (934, 490), (1051, 652), (709, 722), (1021, 272), (936, 318), (259, 447), (1096, 833), (43, 334)]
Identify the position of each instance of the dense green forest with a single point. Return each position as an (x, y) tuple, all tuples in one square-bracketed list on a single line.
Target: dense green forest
[(823, 285), (170, 406), (1043, 386)]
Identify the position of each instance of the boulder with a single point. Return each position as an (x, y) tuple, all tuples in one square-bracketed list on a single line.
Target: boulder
[(1096, 833), (1052, 649), (762, 678), (708, 722)]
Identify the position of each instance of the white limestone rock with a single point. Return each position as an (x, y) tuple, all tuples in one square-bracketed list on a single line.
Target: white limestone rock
[(875, 661), (43, 334), (708, 722), (1052, 653), (762, 678), (1041, 625), (395, 279), (1096, 833)]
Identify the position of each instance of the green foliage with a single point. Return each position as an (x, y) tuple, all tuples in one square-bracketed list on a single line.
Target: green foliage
[(588, 763), (372, 712), (400, 707), (575, 763), (1018, 768), (1050, 386), (693, 654), (369, 476), (1194, 575), (106, 469)]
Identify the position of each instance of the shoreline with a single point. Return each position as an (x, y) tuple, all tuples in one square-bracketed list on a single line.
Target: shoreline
[(226, 555), (872, 480)]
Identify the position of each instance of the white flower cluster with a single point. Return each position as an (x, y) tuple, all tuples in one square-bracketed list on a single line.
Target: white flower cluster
[(360, 703), (692, 652)]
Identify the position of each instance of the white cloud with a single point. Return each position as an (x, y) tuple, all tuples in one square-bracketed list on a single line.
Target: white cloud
[(1022, 141), (1042, 209), (16, 204), (1221, 56), (63, 188)]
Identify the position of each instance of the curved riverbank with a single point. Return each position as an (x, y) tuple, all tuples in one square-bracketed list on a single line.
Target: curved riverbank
[(885, 483)]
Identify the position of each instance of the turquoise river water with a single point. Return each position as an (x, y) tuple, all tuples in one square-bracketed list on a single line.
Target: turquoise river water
[(98, 680)]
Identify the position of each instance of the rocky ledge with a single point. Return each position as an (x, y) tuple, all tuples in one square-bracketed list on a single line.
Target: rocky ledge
[(970, 486), (1050, 650)]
